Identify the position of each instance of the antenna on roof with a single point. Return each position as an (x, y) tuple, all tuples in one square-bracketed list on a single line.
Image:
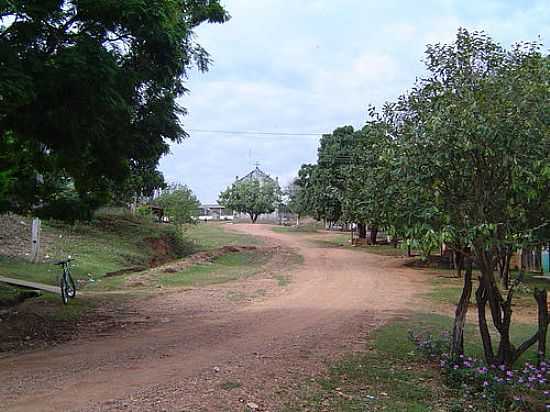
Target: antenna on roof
[(257, 164)]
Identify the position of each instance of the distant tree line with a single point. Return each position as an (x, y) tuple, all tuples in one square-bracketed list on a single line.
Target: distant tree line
[(88, 95), (463, 158)]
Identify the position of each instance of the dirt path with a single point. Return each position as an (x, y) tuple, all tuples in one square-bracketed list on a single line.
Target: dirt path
[(196, 351)]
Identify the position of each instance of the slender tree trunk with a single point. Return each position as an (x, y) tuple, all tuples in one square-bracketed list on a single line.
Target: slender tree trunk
[(362, 230), (501, 313), (373, 234), (394, 242), (503, 263), (459, 259), (457, 342), (541, 296), (481, 301)]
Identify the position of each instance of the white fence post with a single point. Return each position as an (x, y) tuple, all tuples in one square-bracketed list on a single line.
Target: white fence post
[(35, 247)]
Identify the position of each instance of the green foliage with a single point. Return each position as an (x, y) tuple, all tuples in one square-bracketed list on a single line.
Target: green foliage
[(145, 212), (179, 203), (296, 199), (475, 134), (462, 158), (252, 196), (89, 88)]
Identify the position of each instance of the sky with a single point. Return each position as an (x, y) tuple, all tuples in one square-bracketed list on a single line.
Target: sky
[(310, 66)]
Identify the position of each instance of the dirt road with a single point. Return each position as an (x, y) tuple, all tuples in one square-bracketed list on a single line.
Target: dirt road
[(194, 350)]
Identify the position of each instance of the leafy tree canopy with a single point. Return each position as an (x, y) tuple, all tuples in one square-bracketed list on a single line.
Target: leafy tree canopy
[(179, 203), (252, 196), (90, 86)]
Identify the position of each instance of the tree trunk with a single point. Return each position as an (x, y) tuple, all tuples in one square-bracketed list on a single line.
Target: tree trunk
[(373, 234), (457, 343), (459, 262), (501, 313), (481, 301), (253, 217), (362, 230), (541, 296), (503, 263), (394, 242)]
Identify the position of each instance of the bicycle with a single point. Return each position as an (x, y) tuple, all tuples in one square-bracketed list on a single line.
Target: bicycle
[(66, 281)]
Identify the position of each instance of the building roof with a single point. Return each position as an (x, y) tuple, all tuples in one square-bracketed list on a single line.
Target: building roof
[(257, 174)]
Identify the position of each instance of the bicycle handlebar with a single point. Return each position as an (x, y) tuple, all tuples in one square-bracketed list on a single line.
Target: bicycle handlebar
[(62, 262)]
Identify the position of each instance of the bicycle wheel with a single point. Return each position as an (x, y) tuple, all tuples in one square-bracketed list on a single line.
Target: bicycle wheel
[(71, 287), (63, 286)]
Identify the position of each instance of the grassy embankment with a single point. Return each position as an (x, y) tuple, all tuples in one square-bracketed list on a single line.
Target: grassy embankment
[(390, 375), (115, 243)]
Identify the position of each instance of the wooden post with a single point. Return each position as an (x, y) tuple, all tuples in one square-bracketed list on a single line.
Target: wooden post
[(35, 246)]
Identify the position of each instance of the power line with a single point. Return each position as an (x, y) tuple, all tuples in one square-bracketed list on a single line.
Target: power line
[(242, 132)]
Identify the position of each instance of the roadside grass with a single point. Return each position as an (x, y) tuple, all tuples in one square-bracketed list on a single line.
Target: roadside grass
[(223, 269), (386, 376), (230, 385), (447, 288), (62, 312), (282, 280), (10, 296), (390, 375), (238, 296), (305, 228), (343, 241), (208, 236)]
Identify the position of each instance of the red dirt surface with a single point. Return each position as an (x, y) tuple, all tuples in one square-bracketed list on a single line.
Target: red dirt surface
[(196, 350)]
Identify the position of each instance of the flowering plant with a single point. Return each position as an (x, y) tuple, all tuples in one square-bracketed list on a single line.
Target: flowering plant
[(498, 386)]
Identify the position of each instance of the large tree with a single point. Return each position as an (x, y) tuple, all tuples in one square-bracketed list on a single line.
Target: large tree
[(252, 196), (296, 200), (90, 86), (321, 200), (179, 202), (476, 135)]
